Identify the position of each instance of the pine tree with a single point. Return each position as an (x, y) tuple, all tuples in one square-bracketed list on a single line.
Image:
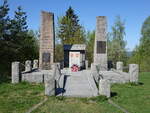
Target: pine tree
[(4, 20), (19, 25), (69, 29), (4, 38)]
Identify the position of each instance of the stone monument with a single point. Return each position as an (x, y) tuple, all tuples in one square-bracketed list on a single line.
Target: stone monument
[(100, 48), (104, 87), (15, 72), (134, 72), (119, 66), (47, 41)]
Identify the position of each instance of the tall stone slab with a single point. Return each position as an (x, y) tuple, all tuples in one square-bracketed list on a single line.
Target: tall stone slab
[(134, 72), (47, 41), (15, 72), (119, 66), (100, 48), (104, 87)]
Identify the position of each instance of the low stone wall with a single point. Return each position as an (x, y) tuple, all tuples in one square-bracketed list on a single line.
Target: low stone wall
[(33, 77)]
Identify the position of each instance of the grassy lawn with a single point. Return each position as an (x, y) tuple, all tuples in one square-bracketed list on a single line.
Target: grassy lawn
[(76, 105), (20, 97), (134, 98)]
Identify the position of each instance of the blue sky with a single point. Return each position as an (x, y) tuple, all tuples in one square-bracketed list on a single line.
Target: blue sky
[(134, 12)]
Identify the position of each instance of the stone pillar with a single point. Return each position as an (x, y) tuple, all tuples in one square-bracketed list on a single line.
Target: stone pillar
[(35, 64), (134, 72), (93, 67), (100, 47), (47, 41), (86, 64), (49, 85), (119, 66), (28, 66), (50, 82), (15, 72), (104, 87)]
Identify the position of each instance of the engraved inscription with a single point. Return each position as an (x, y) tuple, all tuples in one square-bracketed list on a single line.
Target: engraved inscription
[(46, 57), (101, 46)]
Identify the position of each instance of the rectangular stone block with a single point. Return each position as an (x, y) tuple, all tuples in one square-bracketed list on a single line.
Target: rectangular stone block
[(104, 87), (35, 64), (28, 66), (47, 41), (119, 66), (100, 47), (134, 72), (15, 72), (33, 77), (50, 86)]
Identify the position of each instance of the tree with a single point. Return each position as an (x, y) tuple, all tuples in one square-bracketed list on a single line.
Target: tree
[(69, 29), (90, 46), (116, 42), (4, 20), (16, 43), (141, 52), (26, 44), (4, 36)]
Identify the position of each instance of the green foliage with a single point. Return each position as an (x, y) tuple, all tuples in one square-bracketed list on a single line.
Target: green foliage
[(141, 52), (69, 29), (16, 42), (90, 46), (59, 54), (116, 43)]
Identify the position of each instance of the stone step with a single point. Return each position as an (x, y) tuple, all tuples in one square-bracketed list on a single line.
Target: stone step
[(78, 84)]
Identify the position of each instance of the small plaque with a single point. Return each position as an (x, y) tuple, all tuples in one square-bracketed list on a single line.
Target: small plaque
[(101, 46), (46, 57)]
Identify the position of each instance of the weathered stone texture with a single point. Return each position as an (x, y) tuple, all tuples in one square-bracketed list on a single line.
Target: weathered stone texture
[(115, 76), (86, 64), (100, 48), (35, 64), (119, 66), (15, 72), (47, 41), (33, 77), (104, 87), (95, 73), (28, 66), (134, 72), (50, 86)]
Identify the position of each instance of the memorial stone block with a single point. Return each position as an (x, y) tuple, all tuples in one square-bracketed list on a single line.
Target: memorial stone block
[(15, 72), (47, 41), (100, 47)]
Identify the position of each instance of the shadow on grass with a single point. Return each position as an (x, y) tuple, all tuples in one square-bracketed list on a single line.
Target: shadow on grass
[(136, 84), (113, 94)]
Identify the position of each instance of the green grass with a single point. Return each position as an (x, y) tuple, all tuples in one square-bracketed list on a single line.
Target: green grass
[(21, 97), (76, 105), (134, 98)]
